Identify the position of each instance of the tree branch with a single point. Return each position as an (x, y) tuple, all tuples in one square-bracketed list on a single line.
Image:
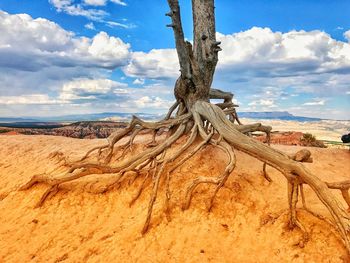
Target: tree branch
[(181, 46)]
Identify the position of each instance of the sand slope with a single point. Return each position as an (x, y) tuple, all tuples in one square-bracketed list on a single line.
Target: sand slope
[(247, 223)]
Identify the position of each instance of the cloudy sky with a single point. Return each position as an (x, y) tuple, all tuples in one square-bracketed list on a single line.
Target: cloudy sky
[(62, 57)]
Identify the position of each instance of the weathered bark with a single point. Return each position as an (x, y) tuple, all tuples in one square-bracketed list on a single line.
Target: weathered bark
[(197, 65), (293, 170), (205, 46), (197, 117)]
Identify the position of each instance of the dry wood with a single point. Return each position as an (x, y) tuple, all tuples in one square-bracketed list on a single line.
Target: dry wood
[(205, 122)]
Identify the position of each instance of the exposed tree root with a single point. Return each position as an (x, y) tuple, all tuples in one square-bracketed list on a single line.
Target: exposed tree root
[(293, 195), (227, 136), (201, 120), (156, 181), (219, 181), (139, 191), (289, 166)]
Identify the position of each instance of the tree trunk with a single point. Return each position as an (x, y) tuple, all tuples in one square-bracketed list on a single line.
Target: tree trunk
[(197, 63)]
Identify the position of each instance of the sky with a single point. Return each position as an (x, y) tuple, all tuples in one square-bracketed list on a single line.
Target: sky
[(60, 57)]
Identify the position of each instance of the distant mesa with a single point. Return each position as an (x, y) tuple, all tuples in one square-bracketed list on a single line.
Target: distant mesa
[(280, 115), (118, 116)]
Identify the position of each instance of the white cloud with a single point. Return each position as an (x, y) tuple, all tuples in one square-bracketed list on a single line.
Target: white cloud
[(116, 24), (257, 52), (95, 2), (268, 53), (90, 26), (103, 2), (32, 44), (270, 103), (119, 2), (347, 35), (316, 102), (68, 7), (23, 32), (156, 64), (72, 8), (273, 66), (108, 49), (38, 57), (32, 99), (90, 89), (139, 81), (348, 92), (147, 102)]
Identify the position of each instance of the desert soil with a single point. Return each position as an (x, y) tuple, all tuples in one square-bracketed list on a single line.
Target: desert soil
[(247, 224)]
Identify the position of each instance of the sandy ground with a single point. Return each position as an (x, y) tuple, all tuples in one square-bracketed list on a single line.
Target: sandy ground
[(247, 223), (330, 130)]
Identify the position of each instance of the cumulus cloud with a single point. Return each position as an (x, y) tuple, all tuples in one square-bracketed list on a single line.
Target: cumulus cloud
[(38, 58), (265, 69), (81, 90), (156, 64), (258, 60), (91, 89), (347, 35), (262, 52), (257, 52), (32, 44), (110, 51), (85, 95)]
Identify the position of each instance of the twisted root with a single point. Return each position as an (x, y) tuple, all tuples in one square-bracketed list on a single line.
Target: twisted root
[(208, 123)]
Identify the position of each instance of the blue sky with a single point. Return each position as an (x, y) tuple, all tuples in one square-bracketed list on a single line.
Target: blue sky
[(85, 56)]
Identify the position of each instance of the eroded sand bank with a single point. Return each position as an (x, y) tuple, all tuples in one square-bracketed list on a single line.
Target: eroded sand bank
[(247, 223)]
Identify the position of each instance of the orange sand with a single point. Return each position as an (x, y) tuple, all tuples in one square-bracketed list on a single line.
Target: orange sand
[(10, 133), (81, 227)]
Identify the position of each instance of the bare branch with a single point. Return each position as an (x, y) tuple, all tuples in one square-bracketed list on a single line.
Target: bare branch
[(181, 46)]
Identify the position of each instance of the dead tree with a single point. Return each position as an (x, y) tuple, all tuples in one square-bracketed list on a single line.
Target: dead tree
[(194, 116)]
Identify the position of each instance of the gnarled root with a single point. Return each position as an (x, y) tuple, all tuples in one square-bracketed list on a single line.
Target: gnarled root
[(211, 125), (80, 170), (280, 161), (219, 181), (293, 194)]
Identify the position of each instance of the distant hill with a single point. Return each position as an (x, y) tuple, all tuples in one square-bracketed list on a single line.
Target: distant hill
[(81, 129), (31, 124), (280, 115), (119, 116), (108, 116), (105, 116), (9, 119)]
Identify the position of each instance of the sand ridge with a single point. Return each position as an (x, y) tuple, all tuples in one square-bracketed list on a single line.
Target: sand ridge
[(247, 223)]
